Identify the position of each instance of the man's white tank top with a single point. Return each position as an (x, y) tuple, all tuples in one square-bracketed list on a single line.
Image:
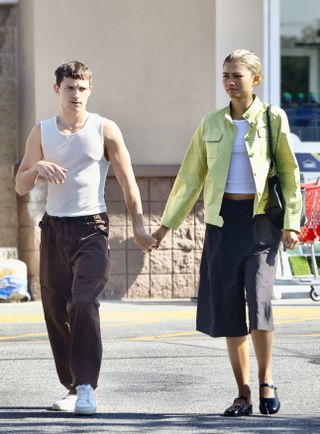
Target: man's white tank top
[(82, 154)]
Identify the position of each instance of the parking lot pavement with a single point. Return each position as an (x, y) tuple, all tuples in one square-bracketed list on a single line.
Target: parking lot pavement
[(158, 374)]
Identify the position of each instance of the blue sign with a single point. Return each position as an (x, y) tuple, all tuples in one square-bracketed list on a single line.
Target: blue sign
[(308, 162)]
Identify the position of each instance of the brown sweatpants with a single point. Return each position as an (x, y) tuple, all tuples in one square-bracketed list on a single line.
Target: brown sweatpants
[(74, 270)]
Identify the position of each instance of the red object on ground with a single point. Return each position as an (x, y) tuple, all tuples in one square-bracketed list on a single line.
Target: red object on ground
[(311, 230)]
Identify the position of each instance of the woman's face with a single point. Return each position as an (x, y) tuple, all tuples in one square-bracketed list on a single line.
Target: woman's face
[(238, 80)]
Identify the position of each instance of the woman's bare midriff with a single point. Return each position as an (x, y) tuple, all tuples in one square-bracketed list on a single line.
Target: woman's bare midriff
[(238, 196)]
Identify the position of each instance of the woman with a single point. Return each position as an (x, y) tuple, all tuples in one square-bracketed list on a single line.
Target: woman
[(228, 156)]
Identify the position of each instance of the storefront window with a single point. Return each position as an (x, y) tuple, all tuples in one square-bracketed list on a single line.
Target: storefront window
[(300, 66)]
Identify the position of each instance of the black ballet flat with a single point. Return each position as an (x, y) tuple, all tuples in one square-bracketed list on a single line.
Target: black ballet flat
[(269, 405), (239, 409)]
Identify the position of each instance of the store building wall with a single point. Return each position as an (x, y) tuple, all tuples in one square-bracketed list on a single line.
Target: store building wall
[(8, 125), (157, 71), (153, 64), (238, 24)]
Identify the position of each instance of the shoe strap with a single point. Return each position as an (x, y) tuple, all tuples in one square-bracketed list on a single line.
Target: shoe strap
[(272, 386), (241, 397)]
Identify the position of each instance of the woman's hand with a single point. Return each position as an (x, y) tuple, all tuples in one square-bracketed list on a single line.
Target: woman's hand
[(143, 240), (159, 234), (289, 239)]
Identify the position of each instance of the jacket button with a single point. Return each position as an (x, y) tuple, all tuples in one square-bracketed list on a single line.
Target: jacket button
[(251, 155)]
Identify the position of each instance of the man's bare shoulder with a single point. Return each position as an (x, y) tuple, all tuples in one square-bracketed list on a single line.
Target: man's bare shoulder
[(34, 138), (33, 151), (111, 129), (36, 128)]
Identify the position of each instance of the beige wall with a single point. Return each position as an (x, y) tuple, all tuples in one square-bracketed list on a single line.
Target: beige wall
[(238, 24), (156, 63), (26, 71), (153, 64), (8, 126), (157, 70)]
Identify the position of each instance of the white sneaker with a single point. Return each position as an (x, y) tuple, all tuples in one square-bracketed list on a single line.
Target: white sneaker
[(86, 400), (65, 404)]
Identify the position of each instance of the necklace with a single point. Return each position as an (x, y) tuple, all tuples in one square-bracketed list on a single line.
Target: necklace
[(234, 116)]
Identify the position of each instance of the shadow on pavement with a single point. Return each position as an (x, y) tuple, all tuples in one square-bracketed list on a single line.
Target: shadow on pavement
[(42, 420)]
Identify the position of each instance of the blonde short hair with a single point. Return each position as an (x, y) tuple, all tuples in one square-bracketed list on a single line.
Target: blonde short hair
[(249, 59)]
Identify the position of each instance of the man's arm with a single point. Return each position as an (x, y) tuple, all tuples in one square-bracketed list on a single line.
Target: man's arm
[(119, 157), (33, 165)]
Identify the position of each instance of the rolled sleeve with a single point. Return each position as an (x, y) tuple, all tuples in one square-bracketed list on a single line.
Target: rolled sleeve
[(188, 183)]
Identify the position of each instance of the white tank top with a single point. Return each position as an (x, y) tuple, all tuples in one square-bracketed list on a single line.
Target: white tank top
[(240, 178), (82, 153)]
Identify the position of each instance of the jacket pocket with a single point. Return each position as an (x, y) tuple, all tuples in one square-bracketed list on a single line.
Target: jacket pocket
[(212, 140), (262, 134)]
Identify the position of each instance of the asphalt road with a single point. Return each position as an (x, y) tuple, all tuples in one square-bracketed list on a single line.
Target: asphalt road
[(158, 375)]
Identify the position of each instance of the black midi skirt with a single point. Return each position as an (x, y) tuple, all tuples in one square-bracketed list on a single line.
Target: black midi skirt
[(238, 267)]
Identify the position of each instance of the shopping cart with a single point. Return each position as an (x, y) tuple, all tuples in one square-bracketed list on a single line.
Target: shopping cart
[(309, 234)]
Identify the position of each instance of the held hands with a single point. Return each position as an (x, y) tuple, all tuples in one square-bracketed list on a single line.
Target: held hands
[(147, 242), (52, 172), (143, 240), (289, 239), (159, 234)]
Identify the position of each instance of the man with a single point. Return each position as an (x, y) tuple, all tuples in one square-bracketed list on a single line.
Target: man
[(72, 151)]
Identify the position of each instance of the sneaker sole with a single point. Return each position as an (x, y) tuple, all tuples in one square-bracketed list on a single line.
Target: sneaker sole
[(85, 412), (69, 410)]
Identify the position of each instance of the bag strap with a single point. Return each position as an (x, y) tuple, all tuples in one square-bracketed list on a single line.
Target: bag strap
[(272, 164)]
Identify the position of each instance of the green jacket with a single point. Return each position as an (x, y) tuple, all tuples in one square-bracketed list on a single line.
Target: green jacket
[(206, 164)]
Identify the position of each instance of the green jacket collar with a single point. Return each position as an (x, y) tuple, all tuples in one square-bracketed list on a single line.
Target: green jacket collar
[(251, 114)]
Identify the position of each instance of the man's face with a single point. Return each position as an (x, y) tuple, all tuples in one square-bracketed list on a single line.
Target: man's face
[(74, 93)]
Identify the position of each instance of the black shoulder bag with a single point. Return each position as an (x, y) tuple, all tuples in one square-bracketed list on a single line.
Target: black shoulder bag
[(275, 205)]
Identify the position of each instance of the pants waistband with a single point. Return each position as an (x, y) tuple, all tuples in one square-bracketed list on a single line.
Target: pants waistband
[(85, 218)]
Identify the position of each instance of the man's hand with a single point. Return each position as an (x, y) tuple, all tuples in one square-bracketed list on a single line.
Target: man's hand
[(289, 239), (52, 172), (143, 240), (159, 234)]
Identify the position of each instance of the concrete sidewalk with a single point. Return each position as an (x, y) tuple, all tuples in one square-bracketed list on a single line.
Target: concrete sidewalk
[(158, 374)]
